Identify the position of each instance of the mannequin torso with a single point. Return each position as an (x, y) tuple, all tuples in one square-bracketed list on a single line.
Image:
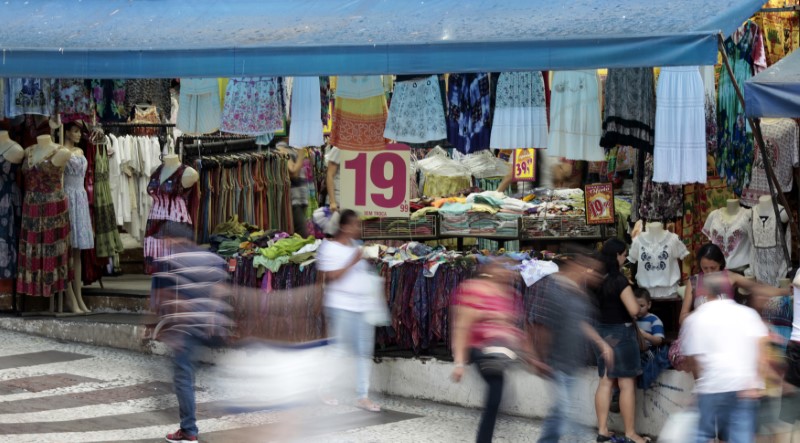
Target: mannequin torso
[(764, 208), (732, 208), (171, 164), (10, 150), (45, 148)]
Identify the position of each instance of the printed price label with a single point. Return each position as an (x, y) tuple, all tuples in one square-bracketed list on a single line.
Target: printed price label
[(375, 184), (599, 203), (524, 164)]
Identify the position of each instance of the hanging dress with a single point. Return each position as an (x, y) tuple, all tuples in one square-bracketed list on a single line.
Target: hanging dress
[(169, 215), (9, 216), (782, 137), (44, 242), (520, 113), (199, 109), (416, 114), (769, 263), (575, 124), (745, 49), (153, 92), (659, 201), (107, 239), (629, 104), (72, 99), (359, 113), (252, 106), (108, 99), (306, 121), (28, 96), (680, 139), (80, 219), (469, 113)]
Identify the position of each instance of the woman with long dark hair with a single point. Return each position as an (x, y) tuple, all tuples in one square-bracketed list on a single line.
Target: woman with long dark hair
[(618, 309)]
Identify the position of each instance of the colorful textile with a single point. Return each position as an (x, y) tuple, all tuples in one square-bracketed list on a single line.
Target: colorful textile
[(28, 96), (152, 92), (108, 97), (359, 115), (416, 114), (107, 239), (252, 106), (659, 201), (780, 30), (80, 219), (44, 246), (745, 49), (520, 112), (72, 99), (169, 216), (469, 116), (629, 109), (782, 137), (9, 216), (698, 202)]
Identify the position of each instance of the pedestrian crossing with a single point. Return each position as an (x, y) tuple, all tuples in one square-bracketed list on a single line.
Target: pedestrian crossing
[(62, 396)]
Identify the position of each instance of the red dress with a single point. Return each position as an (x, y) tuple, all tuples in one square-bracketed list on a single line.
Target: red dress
[(169, 215)]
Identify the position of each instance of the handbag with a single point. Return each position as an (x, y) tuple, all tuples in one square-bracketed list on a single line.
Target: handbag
[(378, 313)]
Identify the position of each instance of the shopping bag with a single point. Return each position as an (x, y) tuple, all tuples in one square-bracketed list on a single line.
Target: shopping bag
[(680, 427), (378, 314)]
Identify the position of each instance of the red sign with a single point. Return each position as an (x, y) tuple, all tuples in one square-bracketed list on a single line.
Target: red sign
[(375, 184), (599, 203)]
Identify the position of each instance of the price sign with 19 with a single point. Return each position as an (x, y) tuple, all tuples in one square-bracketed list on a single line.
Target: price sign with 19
[(375, 184)]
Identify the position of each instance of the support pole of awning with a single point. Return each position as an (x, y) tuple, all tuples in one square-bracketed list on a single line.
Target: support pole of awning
[(772, 180)]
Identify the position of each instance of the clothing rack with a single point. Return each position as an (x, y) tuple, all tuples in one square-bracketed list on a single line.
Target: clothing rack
[(137, 125), (220, 147)]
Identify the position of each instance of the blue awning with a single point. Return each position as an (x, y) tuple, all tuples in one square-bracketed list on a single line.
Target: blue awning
[(212, 38), (775, 92)]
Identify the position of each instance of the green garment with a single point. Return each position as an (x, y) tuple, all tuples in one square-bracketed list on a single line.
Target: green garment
[(271, 264), (286, 246)]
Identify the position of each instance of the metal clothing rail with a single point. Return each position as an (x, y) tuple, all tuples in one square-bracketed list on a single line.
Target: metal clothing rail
[(136, 125), (220, 147)]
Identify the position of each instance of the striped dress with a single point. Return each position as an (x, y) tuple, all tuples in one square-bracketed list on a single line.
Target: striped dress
[(169, 215)]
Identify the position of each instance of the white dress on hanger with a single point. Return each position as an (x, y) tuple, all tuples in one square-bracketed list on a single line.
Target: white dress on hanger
[(306, 116), (575, 123)]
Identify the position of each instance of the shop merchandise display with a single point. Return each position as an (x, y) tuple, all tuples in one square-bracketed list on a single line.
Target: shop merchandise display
[(107, 238), (108, 99), (44, 241), (416, 114), (575, 124), (629, 107), (782, 136), (150, 94), (730, 229), (253, 106), (72, 99), (745, 49), (306, 127), (658, 201), (81, 233), (469, 116), (779, 29), (11, 155), (656, 253), (520, 113), (359, 113), (199, 108), (680, 134), (768, 261), (27, 96)]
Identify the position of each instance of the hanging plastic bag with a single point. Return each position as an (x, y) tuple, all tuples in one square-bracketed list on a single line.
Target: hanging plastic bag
[(680, 427), (378, 314)]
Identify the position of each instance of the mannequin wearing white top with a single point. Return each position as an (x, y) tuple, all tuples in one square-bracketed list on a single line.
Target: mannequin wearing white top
[(171, 164), (10, 150), (657, 252), (730, 229), (768, 261)]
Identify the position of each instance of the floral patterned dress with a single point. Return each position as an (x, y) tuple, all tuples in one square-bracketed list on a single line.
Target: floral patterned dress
[(9, 217), (44, 244), (252, 106), (416, 114), (745, 49)]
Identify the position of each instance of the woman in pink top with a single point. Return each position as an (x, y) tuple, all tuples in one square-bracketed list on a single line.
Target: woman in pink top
[(486, 311)]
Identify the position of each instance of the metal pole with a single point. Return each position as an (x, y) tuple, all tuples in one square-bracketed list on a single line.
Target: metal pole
[(774, 186)]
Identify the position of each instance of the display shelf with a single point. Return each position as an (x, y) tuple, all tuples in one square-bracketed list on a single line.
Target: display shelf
[(499, 226), (561, 227), (400, 228)]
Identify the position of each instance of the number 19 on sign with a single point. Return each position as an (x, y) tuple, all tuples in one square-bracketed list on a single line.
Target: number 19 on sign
[(376, 183)]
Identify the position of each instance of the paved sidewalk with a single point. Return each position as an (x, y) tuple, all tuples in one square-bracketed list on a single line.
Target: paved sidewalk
[(53, 391)]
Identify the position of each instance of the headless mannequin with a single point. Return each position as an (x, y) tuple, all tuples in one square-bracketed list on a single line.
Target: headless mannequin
[(71, 138), (655, 230), (764, 208), (732, 208), (171, 164), (10, 150), (59, 156)]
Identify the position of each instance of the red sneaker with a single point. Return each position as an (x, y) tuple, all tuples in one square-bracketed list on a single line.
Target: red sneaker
[(180, 437)]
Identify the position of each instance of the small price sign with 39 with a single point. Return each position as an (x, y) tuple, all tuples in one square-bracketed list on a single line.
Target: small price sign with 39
[(524, 165), (375, 184)]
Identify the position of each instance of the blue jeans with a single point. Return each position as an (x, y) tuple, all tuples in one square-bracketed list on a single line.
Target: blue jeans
[(559, 421), (353, 336), (183, 381), (735, 417)]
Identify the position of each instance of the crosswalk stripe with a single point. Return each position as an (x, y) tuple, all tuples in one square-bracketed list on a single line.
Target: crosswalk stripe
[(96, 397), (38, 358), (41, 383)]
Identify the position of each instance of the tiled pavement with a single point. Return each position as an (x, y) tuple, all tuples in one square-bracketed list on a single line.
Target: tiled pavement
[(52, 391)]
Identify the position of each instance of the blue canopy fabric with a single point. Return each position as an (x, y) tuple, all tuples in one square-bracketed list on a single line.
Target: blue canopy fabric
[(775, 92), (212, 38)]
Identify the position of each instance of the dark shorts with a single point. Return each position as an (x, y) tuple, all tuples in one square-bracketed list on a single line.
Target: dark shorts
[(627, 361)]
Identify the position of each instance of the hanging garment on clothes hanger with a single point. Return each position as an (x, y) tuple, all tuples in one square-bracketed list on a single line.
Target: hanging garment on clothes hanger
[(416, 114), (469, 116), (782, 136), (520, 113), (44, 246), (107, 239), (360, 113), (108, 100), (72, 99), (28, 96), (629, 109), (243, 114), (680, 138), (168, 213), (199, 109), (152, 92), (745, 50), (306, 123), (575, 124)]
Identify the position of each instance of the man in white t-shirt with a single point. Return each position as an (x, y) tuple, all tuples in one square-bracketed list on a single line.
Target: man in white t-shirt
[(725, 340)]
